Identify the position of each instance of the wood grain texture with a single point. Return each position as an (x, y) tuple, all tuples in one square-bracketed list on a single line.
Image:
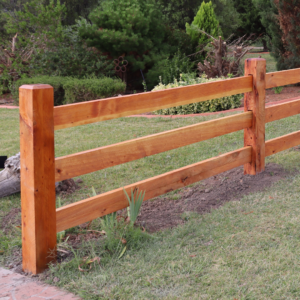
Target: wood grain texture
[(281, 78), (100, 110), (283, 110), (106, 203), (255, 101), (37, 177), (108, 156), (282, 143)]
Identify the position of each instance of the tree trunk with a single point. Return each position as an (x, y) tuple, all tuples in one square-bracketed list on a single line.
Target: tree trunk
[(10, 176)]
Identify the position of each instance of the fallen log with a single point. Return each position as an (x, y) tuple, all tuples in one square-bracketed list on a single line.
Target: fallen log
[(10, 176), (10, 179)]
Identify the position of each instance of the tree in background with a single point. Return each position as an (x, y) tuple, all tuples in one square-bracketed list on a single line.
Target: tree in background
[(205, 20), (179, 12), (268, 12), (289, 22), (133, 29), (250, 20), (227, 15), (75, 9), (28, 30)]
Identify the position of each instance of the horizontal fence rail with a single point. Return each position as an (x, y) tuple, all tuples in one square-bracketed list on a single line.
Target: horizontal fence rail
[(282, 78), (104, 157), (40, 219), (112, 108), (282, 143), (89, 209), (283, 110)]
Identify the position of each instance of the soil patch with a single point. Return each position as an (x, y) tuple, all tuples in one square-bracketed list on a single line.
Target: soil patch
[(211, 193), (286, 93), (67, 187), (13, 218)]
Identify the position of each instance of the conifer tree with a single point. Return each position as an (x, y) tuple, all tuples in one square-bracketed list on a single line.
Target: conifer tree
[(205, 20), (131, 28), (289, 22)]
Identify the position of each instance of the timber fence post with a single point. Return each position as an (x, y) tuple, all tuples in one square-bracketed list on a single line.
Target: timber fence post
[(37, 177), (255, 101)]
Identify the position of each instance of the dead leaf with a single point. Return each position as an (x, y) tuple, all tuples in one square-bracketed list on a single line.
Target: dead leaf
[(249, 213), (193, 255), (89, 262)]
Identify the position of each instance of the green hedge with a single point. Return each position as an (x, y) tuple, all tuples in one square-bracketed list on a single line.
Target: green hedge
[(198, 107), (70, 90), (78, 90)]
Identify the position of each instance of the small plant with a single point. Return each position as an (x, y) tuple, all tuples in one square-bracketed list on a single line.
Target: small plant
[(108, 221), (135, 203), (218, 104), (60, 235), (278, 89)]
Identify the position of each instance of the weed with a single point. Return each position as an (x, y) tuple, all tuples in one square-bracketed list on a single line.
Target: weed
[(278, 89), (135, 203), (60, 235)]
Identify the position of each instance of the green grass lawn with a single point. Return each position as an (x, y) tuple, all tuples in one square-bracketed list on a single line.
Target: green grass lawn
[(226, 254)]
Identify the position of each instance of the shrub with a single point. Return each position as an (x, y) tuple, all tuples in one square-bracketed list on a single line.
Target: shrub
[(71, 57), (70, 90), (170, 68), (198, 107), (55, 82), (78, 90)]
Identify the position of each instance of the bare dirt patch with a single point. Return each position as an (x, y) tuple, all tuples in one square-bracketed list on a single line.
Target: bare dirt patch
[(211, 193), (286, 93), (13, 218)]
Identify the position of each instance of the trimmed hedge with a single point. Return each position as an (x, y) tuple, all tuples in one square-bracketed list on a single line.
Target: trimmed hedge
[(219, 104), (78, 90), (70, 90), (55, 82)]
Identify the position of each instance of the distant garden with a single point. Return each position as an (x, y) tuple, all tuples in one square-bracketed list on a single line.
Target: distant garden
[(95, 49)]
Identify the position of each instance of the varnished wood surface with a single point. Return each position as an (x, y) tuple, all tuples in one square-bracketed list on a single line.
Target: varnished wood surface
[(100, 110), (37, 177), (282, 143), (255, 101), (106, 203), (92, 160), (282, 78), (283, 110)]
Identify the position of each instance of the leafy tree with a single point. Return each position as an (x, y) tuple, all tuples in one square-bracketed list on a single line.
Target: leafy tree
[(133, 29), (268, 12), (227, 15), (179, 12), (205, 20), (75, 9), (289, 22), (250, 20), (70, 56), (36, 26), (35, 22)]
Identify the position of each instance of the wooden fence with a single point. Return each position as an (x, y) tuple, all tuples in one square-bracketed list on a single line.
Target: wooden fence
[(40, 169)]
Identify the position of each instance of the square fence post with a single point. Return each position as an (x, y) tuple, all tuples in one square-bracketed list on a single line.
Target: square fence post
[(37, 177), (255, 101)]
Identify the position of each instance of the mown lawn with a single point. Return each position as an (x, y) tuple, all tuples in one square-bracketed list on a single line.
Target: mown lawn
[(247, 249)]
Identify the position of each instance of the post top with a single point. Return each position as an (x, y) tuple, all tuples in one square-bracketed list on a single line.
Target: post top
[(38, 86), (255, 59)]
